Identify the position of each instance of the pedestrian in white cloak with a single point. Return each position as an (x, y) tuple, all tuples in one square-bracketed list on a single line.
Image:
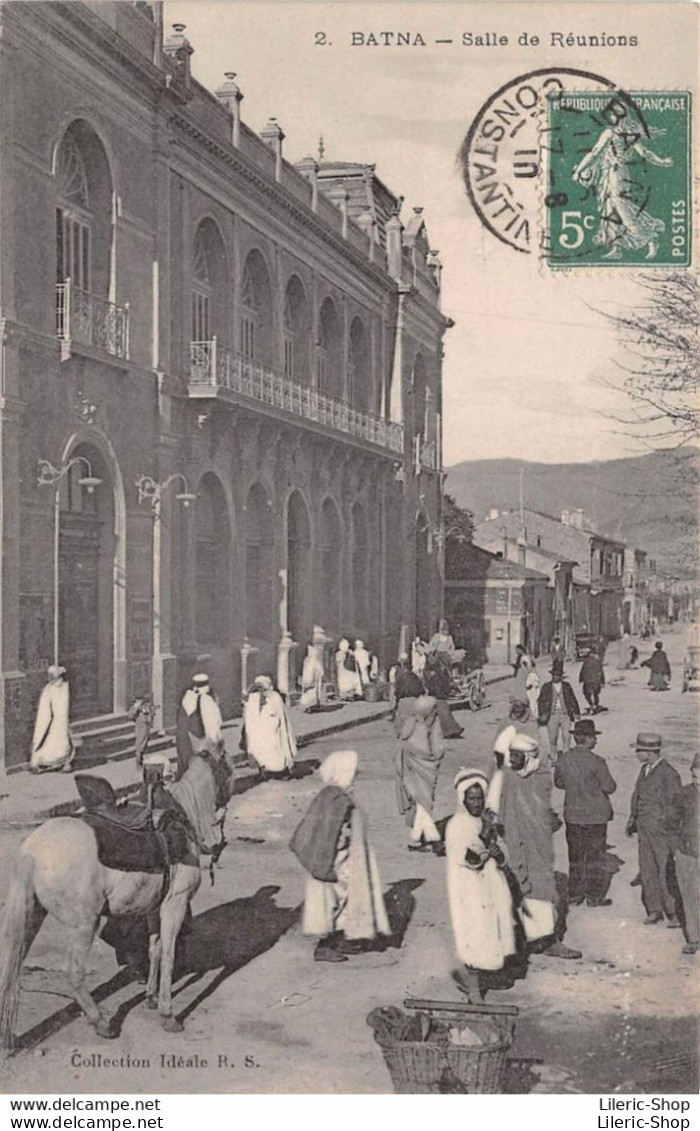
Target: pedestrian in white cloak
[(348, 679), (312, 680), (481, 906), (52, 746), (363, 661), (269, 741), (343, 901), (199, 722)]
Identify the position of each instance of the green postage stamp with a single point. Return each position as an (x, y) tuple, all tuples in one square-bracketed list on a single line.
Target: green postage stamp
[(618, 190)]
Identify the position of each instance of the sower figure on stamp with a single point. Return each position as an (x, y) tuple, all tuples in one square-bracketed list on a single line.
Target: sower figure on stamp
[(587, 784), (650, 810)]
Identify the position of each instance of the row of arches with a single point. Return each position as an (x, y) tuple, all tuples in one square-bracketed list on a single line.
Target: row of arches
[(313, 350), (308, 345), (306, 573)]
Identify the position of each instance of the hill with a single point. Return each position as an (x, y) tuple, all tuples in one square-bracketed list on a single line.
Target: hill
[(649, 502)]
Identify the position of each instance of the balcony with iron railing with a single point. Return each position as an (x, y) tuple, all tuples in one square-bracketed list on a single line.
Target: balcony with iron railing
[(215, 366), (86, 319)]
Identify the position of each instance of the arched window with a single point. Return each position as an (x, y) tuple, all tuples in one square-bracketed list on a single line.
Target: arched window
[(256, 310), (360, 568), (297, 326), (201, 292), (329, 369), (259, 565), (298, 566), (210, 286), (83, 211), (212, 563), (331, 556), (359, 371)]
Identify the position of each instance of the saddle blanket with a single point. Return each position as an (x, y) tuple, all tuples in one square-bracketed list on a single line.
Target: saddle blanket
[(135, 850)]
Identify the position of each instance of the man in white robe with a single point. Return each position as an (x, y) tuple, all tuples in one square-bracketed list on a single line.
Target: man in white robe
[(481, 906), (269, 741), (52, 746), (199, 722)]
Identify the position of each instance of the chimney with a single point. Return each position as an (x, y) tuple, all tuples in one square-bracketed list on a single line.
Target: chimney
[(434, 266), (308, 168), (493, 513), (576, 518), (394, 246), (230, 96), (365, 221), (273, 136), (179, 49), (565, 517), (340, 198)]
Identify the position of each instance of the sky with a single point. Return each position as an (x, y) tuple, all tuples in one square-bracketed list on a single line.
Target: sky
[(531, 359)]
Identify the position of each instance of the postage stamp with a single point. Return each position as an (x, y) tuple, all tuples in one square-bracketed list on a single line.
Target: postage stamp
[(618, 190)]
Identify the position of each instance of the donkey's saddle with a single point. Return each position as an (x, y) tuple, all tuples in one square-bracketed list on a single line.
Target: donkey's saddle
[(126, 838)]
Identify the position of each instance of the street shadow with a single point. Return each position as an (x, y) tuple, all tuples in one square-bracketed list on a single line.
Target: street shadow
[(400, 906), (228, 937), (222, 939)]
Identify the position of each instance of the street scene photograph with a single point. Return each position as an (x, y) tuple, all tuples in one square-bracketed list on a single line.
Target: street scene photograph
[(349, 602)]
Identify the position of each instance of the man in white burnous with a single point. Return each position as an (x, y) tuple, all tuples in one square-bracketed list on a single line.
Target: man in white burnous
[(611, 168)]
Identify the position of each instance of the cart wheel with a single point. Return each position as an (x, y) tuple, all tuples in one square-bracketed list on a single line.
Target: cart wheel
[(477, 692)]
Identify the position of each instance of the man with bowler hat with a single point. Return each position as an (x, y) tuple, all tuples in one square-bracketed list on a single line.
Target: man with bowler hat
[(587, 784), (557, 708), (651, 807)]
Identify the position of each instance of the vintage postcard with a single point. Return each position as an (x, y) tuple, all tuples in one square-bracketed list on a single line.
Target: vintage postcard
[(349, 548)]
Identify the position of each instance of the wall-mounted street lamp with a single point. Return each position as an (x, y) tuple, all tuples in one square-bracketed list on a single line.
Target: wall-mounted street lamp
[(152, 492), (50, 476)]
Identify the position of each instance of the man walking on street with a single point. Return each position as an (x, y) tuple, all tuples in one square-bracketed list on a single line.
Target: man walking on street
[(650, 811), (587, 784), (592, 677), (684, 834), (557, 708)]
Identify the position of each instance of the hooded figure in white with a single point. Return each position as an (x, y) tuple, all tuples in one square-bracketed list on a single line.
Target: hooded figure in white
[(52, 747), (343, 901), (348, 677), (269, 741)]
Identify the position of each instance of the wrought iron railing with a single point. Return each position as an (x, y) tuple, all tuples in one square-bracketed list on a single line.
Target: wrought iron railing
[(92, 321), (213, 364)]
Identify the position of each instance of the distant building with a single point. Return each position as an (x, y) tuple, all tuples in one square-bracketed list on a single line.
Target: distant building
[(229, 365), (595, 586), (497, 604)]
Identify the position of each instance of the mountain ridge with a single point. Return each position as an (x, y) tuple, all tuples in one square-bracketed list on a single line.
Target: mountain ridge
[(650, 502)]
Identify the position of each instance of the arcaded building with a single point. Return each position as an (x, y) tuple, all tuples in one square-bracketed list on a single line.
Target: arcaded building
[(221, 380)]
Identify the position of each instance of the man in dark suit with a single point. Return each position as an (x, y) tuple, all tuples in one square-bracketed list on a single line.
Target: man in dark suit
[(587, 784), (650, 810), (592, 678), (685, 822), (557, 708)]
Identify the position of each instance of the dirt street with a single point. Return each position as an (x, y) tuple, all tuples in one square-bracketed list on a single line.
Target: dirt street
[(261, 1016)]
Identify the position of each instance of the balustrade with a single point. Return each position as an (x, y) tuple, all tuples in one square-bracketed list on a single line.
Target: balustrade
[(215, 365)]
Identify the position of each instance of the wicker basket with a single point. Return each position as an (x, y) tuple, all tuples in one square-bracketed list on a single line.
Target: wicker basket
[(420, 1067)]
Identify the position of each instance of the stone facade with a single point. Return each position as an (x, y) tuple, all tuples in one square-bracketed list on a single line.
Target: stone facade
[(185, 313)]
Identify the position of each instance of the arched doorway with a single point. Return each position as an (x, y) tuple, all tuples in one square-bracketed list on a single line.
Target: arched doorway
[(259, 565), (212, 564), (86, 579), (298, 567), (423, 588), (331, 556)]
